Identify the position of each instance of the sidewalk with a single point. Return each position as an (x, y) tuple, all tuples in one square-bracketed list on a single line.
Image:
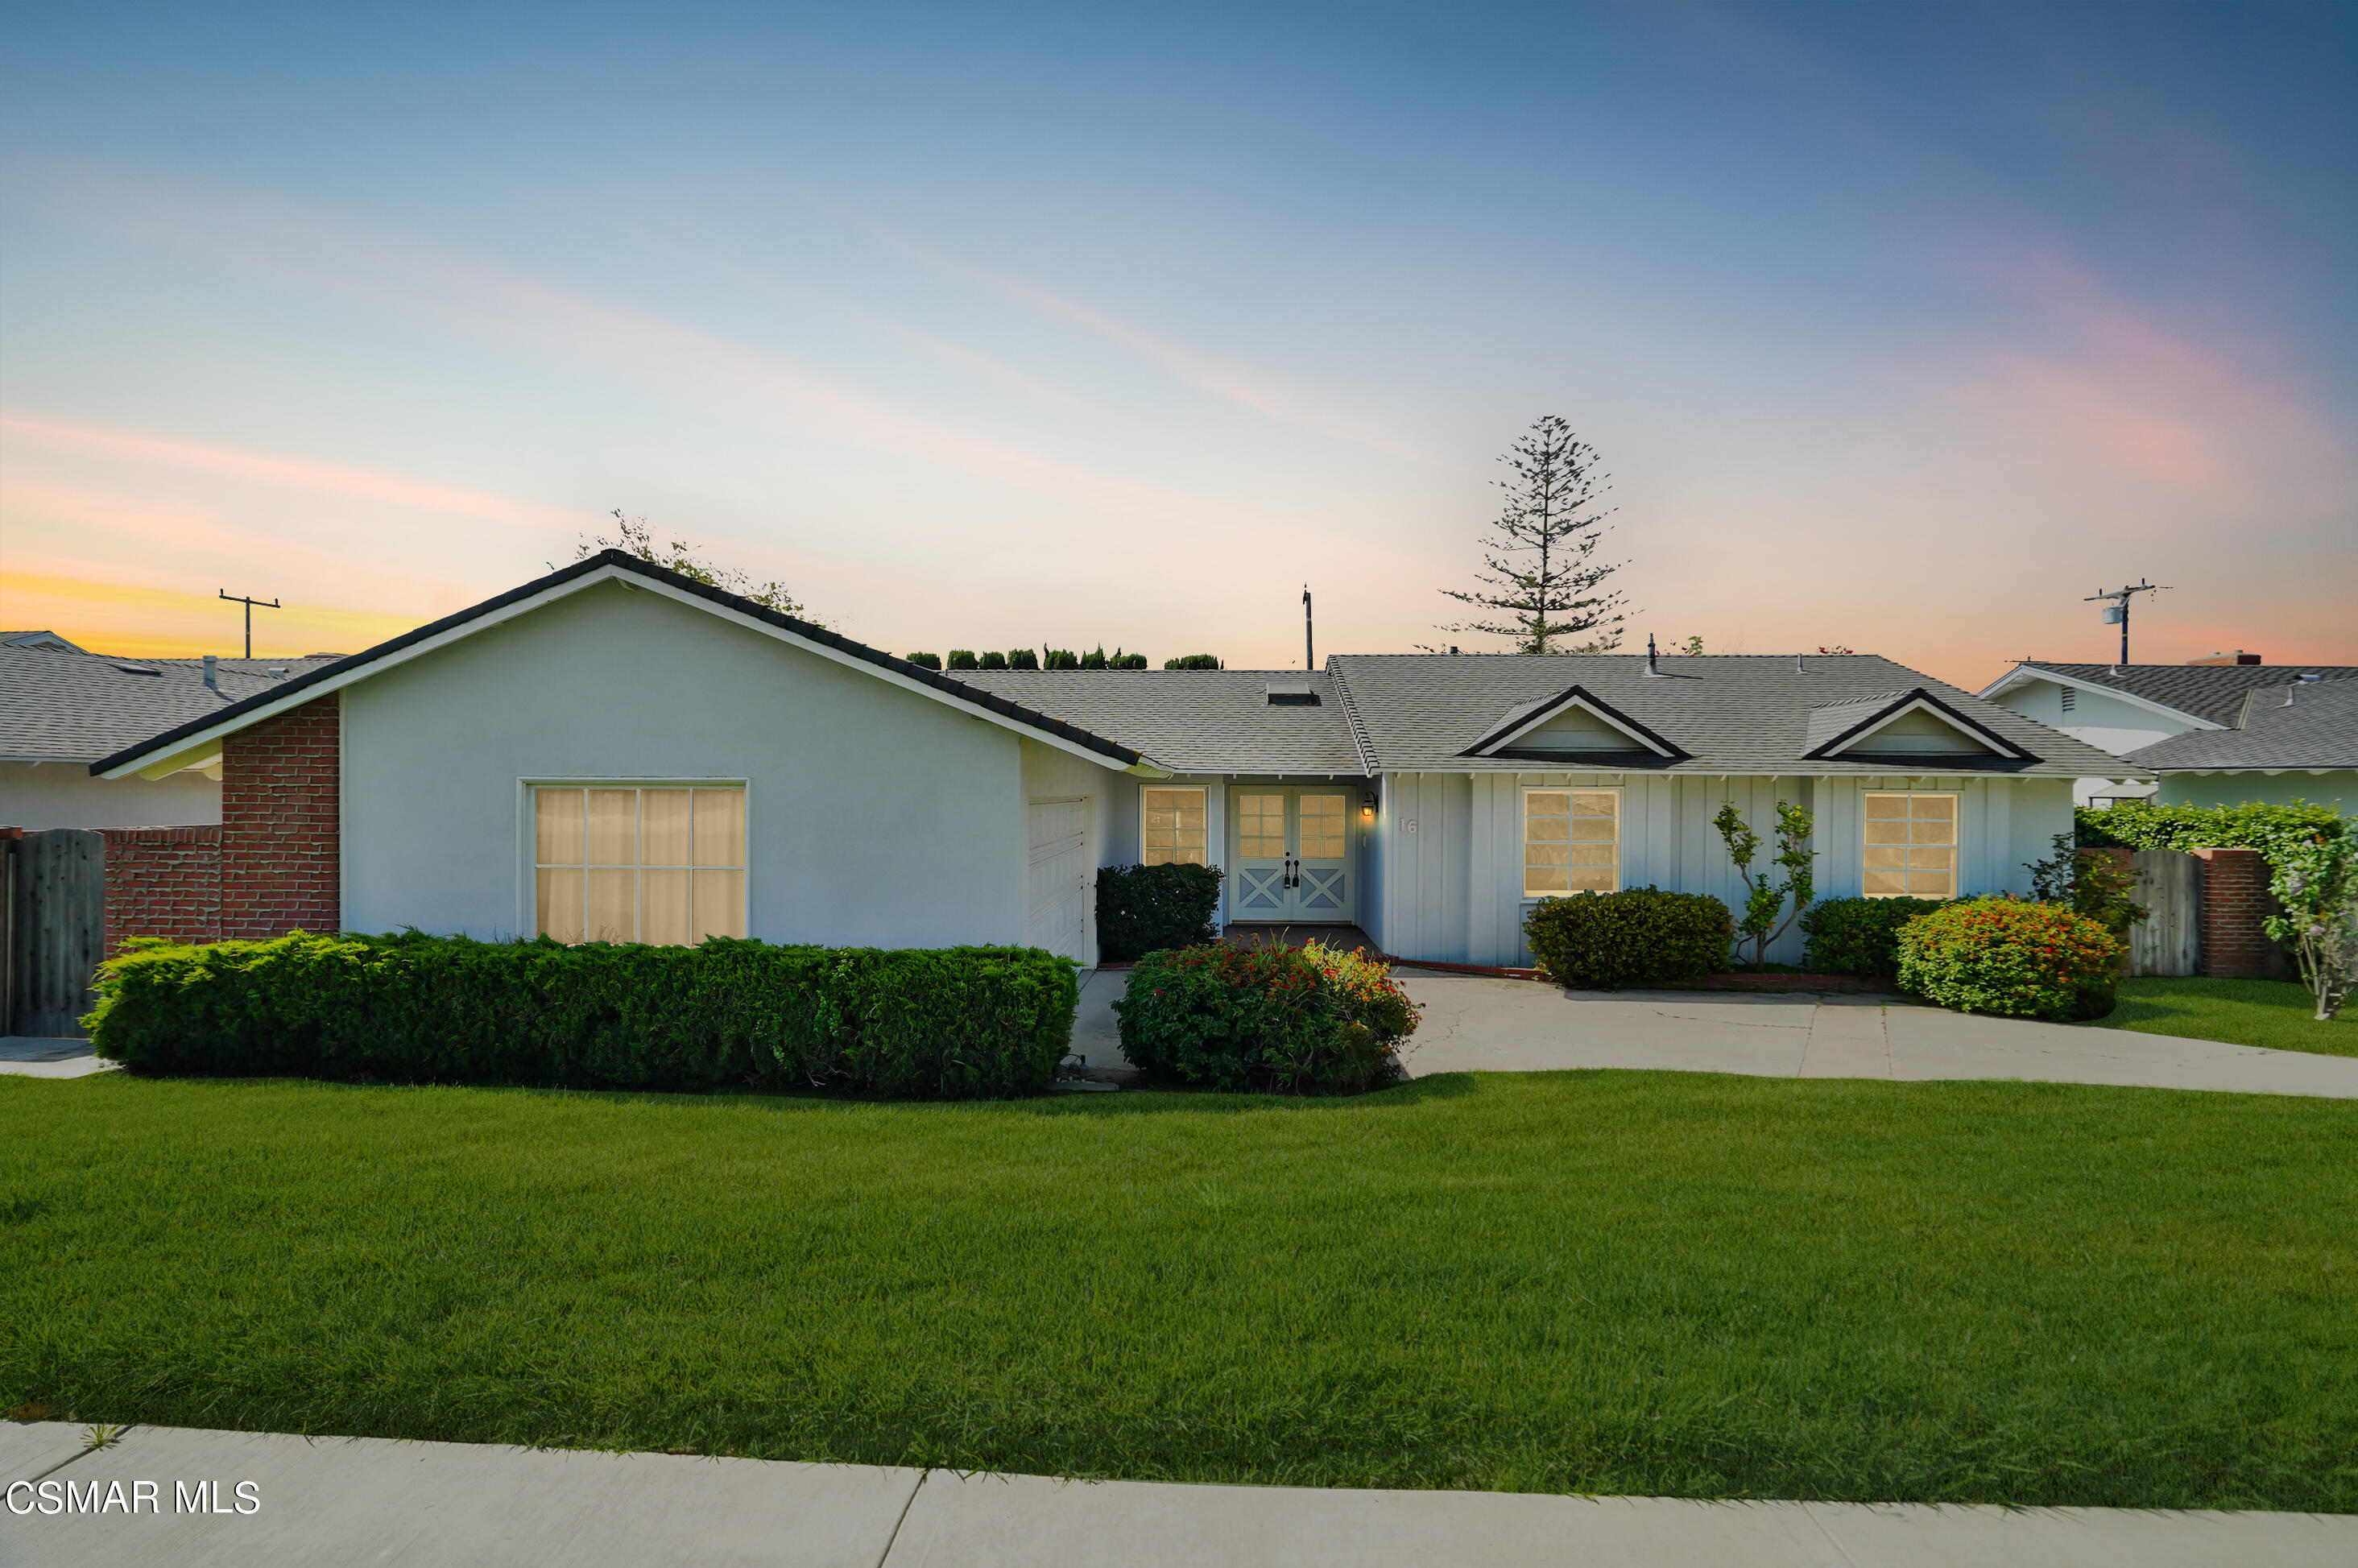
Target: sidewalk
[(324, 1501), (48, 1057)]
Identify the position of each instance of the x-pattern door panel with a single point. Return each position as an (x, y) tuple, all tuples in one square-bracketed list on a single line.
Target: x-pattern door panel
[(1291, 858)]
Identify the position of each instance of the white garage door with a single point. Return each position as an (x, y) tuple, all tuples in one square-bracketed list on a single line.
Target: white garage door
[(1058, 904)]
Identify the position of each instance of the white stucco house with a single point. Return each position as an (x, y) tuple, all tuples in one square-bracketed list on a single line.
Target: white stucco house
[(2129, 710), (616, 751)]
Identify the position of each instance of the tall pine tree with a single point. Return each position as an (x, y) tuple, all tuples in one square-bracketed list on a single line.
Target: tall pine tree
[(1540, 584)]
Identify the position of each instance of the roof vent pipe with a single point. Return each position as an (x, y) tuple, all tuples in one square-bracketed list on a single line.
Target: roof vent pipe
[(1799, 667), (212, 671), (1653, 667)]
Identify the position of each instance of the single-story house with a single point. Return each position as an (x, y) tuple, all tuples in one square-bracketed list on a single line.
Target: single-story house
[(2124, 709), (62, 708), (2298, 739), (616, 751)]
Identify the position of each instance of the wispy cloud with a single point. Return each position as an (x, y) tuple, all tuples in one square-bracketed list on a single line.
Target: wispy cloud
[(359, 484), (488, 301), (1237, 383)]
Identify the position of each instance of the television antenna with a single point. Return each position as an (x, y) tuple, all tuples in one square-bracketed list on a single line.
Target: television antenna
[(249, 604), (2117, 608)]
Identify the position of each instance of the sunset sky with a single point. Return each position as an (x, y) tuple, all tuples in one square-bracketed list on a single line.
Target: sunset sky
[(1902, 328)]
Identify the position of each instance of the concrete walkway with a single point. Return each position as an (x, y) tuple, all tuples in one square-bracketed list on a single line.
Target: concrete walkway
[(325, 1501), (1473, 1023), (48, 1057)]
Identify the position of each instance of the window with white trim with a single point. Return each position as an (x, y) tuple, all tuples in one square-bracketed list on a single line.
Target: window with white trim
[(660, 864), (1571, 841), (1911, 846), (1171, 825)]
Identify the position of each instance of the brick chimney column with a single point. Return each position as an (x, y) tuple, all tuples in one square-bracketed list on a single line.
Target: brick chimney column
[(2235, 900), (281, 825)]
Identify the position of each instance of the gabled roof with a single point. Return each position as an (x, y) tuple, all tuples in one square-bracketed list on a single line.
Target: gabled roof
[(43, 639), (1523, 718), (1730, 713), (607, 566), (1850, 725), (2209, 694), (1214, 722), (2318, 729), (58, 705)]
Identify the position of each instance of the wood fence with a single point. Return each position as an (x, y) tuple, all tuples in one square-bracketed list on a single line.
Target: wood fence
[(55, 929), (2168, 941)]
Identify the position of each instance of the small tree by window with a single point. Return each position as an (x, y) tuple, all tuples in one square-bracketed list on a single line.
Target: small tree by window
[(1767, 893)]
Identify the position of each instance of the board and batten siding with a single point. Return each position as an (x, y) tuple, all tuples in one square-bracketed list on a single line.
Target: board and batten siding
[(1447, 874)]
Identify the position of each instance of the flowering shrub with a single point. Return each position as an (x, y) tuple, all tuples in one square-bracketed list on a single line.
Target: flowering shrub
[(1602, 941), (1297, 1021), (2012, 957), (2316, 884)]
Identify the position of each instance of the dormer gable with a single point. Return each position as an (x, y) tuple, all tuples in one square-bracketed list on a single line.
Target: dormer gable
[(1575, 725), (1906, 726)]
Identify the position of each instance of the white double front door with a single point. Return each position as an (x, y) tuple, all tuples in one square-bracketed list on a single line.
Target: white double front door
[(1290, 854)]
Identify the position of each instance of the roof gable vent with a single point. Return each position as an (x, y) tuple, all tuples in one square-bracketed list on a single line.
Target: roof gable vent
[(1292, 694)]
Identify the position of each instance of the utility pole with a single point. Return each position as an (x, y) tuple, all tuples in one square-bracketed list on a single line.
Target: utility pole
[(1309, 646), (2117, 608), (249, 604)]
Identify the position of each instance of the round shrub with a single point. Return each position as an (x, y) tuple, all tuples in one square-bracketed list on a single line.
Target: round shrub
[(1859, 935), (1602, 941), (1142, 908), (1301, 1020), (2012, 957)]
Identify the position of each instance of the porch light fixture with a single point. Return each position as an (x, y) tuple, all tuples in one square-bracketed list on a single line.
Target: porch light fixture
[(1366, 805)]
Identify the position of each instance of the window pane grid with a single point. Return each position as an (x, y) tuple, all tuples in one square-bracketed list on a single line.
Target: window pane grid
[(664, 865), (1571, 841), (1171, 827), (1911, 846)]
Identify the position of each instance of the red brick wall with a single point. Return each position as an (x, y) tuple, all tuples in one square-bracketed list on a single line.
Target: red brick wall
[(2234, 901), (279, 825), (162, 881)]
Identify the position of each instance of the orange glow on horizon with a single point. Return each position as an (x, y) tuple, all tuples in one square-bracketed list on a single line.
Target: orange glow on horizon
[(163, 623)]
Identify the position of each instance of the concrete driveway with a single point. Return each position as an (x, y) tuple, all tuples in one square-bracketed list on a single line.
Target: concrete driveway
[(1474, 1024)]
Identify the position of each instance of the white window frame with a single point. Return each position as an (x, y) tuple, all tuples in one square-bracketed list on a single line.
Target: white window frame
[(528, 838), (1956, 818), (1204, 797), (1524, 836)]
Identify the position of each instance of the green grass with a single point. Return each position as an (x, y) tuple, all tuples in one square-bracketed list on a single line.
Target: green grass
[(1619, 1283), (2278, 1014)]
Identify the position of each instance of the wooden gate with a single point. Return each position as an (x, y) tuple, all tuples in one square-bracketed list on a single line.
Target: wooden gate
[(57, 929), (2168, 940)]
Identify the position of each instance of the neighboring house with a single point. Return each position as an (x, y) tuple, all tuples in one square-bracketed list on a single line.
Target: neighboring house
[(2298, 741), (2122, 709), (63, 708), (616, 751)]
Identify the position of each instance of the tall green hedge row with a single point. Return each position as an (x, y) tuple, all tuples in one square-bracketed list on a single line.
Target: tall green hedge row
[(919, 1024)]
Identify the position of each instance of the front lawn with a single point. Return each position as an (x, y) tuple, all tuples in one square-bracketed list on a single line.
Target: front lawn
[(2278, 1014), (1622, 1283)]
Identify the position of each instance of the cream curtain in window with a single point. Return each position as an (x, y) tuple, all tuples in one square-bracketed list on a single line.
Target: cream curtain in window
[(636, 863), (1911, 846), (1571, 841), (1171, 827)]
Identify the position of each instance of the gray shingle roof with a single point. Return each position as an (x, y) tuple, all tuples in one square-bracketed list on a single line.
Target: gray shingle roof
[(2214, 692), (57, 705), (1735, 713), (1219, 722), (2318, 731)]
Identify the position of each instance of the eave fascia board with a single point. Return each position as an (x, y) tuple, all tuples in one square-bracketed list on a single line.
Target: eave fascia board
[(2023, 675), (174, 750), (1578, 696), (1899, 707)]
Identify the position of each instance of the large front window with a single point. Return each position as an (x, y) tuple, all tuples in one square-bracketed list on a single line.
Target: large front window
[(1571, 841), (1911, 846), (639, 863), (1171, 830)]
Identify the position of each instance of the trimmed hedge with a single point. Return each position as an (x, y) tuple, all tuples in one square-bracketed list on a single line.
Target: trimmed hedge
[(1602, 941), (2012, 957), (914, 1024), (1142, 909), (2264, 826), (1859, 935), (1309, 1020)]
